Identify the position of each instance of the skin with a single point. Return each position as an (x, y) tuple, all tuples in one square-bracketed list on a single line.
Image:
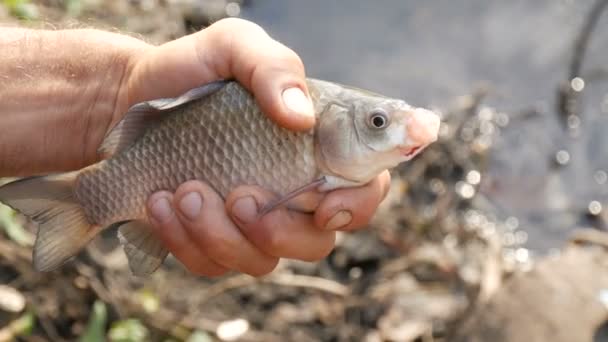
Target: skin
[(63, 91)]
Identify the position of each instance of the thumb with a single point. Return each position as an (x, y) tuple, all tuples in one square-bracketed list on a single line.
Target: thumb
[(230, 48)]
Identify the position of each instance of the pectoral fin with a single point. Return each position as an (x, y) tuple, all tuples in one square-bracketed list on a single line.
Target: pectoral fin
[(291, 195), (144, 251)]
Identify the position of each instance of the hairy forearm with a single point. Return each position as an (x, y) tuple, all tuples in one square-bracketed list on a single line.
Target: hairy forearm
[(58, 86)]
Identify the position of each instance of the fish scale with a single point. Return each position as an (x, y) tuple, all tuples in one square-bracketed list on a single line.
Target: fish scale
[(199, 143)]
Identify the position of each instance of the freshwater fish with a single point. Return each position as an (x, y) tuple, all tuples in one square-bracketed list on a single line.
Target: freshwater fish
[(215, 133)]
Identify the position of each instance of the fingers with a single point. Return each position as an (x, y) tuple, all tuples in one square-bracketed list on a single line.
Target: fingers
[(230, 48), (176, 239), (200, 234), (211, 237), (281, 233), (352, 208)]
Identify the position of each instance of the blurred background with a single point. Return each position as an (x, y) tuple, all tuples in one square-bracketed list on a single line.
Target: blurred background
[(502, 216)]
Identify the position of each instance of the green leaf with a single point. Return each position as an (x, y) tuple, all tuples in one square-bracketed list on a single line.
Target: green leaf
[(22, 9), (20, 327), (96, 326), (13, 229), (199, 336), (130, 330), (12, 3), (24, 325), (73, 7)]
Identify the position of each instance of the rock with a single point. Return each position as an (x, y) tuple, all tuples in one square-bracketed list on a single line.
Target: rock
[(563, 298)]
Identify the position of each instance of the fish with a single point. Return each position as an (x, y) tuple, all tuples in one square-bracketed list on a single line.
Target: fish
[(218, 134)]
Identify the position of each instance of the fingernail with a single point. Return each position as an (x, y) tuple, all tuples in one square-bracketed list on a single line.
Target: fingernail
[(191, 204), (161, 210), (245, 209), (296, 101), (340, 220)]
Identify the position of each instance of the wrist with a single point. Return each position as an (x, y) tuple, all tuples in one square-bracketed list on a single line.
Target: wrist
[(69, 87), (107, 80), (97, 72)]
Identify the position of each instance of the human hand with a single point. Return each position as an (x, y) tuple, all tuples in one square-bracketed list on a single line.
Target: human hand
[(211, 236)]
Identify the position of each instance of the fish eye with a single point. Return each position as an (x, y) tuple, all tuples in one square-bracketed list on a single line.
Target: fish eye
[(378, 119)]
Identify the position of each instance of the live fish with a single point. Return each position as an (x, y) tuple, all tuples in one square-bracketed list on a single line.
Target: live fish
[(218, 134)]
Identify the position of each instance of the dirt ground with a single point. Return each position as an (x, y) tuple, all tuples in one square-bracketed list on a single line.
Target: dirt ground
[(428, 263)]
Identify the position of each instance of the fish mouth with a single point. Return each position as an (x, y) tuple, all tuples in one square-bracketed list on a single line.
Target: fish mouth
[(409, 151)]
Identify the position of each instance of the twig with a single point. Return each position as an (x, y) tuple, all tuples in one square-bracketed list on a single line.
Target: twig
[(19, 258), (317, 283), (49, 328), (284, 279), (567, 98), (582, 41), (491, 279), (166, 320), (15, 253), (589, 236), (98, 287)]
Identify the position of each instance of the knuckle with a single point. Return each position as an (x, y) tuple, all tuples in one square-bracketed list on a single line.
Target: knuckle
[(284, 59), (274, 243), (272, 240), (293, 58), (277, 242), (216, 272), (358, 222), (219, 248), (356, 225), (223, 252), (363, 215), (194, 228), (205, 269), (238, 26), (263, 268), (321, 251)]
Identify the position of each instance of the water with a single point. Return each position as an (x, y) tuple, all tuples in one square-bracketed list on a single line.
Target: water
[(429, 52)]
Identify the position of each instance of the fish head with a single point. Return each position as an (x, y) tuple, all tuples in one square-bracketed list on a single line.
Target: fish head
[(360, 138)]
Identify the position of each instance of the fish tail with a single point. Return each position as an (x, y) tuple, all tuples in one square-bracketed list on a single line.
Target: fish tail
[(63, 228)]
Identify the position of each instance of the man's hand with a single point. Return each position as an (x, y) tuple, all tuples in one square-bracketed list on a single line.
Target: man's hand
[(211, 236), (63, 90)]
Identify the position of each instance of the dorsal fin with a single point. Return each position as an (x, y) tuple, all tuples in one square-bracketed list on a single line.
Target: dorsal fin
[(138, 120), (191, 95), (146, 115)]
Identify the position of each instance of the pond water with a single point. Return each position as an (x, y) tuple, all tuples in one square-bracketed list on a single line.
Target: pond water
[(429, 52)]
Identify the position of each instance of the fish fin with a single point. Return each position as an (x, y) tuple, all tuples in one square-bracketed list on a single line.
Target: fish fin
[(146, 115), (49, 201), (189, 96), (290, 195), (144, 251), (136, 122)]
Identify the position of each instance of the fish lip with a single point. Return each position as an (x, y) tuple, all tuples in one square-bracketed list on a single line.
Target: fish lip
[(409, 151)]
